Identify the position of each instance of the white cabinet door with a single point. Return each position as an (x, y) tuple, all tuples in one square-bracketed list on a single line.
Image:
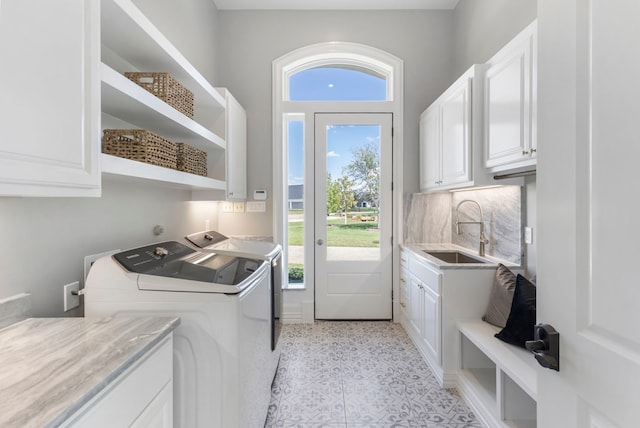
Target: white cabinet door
[(510, 109), (416, 313), (430, 149), (451, 136), (236, 156), (431, 326), (50, 103), (455, 119), (140, 397)]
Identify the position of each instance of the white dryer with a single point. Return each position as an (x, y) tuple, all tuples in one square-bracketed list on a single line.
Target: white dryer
[(216, 242), (222, 352)]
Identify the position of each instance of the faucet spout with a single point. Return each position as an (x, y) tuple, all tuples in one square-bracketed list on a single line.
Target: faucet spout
[(483, 238)]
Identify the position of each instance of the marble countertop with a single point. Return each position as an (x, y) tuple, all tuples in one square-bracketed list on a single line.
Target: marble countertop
[(418, 250), (51, 367)]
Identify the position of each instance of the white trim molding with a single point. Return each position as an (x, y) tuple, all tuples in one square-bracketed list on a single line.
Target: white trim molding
[(346, 55)]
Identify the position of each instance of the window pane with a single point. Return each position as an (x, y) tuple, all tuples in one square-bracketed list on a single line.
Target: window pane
[(353, 202), (336, 84), (295, 150)]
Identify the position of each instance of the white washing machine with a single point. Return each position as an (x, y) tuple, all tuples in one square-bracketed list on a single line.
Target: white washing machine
[(222, 352), (212, 241)]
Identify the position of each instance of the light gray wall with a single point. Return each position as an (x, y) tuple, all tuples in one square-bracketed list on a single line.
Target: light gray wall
[(191, 26), (251, 40), (481, 29), (44, 240)]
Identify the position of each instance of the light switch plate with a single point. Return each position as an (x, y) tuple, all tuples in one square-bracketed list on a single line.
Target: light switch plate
[(528, 235), (238, 207), (256, 206)]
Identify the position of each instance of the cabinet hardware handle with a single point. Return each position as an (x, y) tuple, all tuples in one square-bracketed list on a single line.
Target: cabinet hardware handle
[(533, 151), (402, 280), (403, 260), (403, 305), (525, 152)]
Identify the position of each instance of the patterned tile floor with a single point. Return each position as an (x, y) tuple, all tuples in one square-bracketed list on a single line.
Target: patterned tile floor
[(358, 374)]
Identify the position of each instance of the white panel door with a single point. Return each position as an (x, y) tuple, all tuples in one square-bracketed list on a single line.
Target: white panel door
[(50, 102), (353, 251), (455, 117), (510, 95), (236, 153), (430, 156), (588, 286)]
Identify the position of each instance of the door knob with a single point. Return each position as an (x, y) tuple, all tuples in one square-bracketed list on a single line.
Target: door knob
[(320, 241), (545, 346)]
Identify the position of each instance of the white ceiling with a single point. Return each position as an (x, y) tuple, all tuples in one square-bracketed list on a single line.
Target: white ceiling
[(334, 4)]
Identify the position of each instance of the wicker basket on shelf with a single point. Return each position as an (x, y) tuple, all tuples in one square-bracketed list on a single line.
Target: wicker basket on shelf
[(191, 160), (140, 145), (165, 87)]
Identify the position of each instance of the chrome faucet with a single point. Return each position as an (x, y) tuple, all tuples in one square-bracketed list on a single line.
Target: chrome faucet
[(483, 238)]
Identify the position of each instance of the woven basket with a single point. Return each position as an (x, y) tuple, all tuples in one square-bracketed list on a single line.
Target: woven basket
[(139, 145), (191, 160), (165, 87)]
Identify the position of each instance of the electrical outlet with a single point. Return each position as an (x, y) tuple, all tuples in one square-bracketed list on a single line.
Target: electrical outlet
[(238, 207), (71, 301), (227, 207), (528, 235), (256, 206)]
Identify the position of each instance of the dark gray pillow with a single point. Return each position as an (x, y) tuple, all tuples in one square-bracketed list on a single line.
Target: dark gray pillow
[(501, 297)]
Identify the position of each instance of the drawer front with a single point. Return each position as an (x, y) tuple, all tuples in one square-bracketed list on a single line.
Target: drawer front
[(428, 276), (404, 259), (404, 287)]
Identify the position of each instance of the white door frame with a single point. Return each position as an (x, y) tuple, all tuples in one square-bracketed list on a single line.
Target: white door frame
[(299, 304)]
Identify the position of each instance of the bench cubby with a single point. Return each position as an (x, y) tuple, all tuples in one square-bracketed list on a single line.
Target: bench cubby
[(498, 380)]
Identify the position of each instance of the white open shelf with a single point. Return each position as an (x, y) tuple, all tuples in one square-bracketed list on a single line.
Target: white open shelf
[(123, 99), (113, 165), (130, 42), (126, 31)]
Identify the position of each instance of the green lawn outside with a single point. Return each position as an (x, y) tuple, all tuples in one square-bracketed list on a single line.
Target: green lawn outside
[(355, 233)]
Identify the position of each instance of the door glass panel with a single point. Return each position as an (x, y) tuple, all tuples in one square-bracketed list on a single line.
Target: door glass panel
[(295, 232), (353, 201)]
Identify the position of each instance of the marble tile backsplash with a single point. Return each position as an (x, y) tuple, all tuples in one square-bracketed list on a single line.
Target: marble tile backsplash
[(430, 218)]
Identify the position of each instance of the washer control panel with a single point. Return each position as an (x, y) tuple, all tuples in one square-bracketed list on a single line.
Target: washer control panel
[(145, 259)]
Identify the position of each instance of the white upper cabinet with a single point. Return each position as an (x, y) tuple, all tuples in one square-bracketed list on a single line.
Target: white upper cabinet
[(430, 143), (450, 136), (130, 42), (49, 108), (510, 104), (236, 158)]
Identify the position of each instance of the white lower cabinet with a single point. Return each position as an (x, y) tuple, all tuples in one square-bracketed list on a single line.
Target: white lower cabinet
[(140, 397), (437, 298)]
